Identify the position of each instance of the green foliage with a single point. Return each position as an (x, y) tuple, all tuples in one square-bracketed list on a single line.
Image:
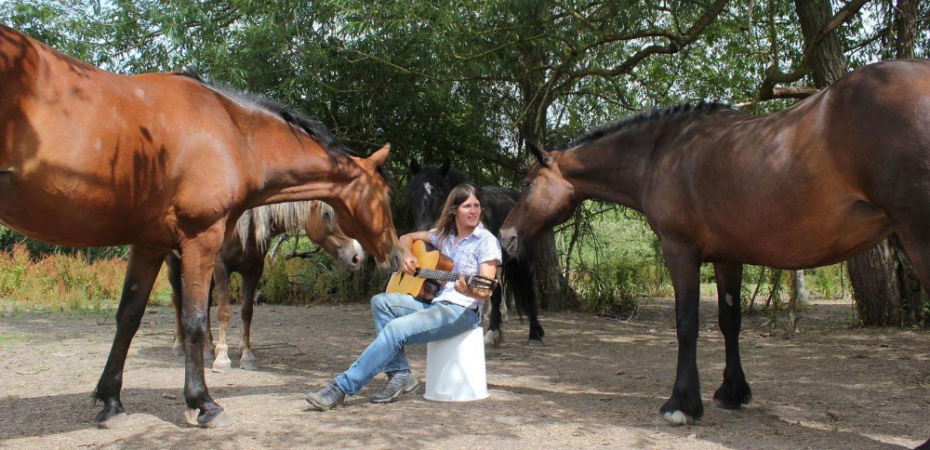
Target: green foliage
[(318, 279), (618, 259), (61, 281), (465, 80)]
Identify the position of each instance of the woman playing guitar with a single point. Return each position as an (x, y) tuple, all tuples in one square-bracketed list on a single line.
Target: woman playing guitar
[(400, 319)]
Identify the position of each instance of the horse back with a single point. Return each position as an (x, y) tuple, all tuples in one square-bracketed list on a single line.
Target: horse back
[(129, 151)]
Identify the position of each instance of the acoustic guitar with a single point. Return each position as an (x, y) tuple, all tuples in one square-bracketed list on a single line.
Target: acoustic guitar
[(435, 269)]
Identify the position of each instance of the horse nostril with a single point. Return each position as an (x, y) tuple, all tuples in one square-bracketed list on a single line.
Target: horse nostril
[(356, 260)]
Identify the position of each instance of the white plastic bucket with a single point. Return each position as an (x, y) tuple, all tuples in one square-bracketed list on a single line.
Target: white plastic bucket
[(455, 370)]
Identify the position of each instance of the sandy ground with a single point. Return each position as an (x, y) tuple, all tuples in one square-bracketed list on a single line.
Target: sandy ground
[(597, 384)]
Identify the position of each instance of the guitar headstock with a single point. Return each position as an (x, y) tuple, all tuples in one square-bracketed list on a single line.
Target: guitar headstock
[(482, 282)]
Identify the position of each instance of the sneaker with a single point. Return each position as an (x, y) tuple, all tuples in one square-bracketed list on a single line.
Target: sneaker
[(328, 398), (399, 382)]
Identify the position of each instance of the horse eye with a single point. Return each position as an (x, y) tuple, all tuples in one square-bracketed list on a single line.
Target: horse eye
[(526, 184)]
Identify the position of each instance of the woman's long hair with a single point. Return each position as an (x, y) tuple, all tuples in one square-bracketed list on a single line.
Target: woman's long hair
[(446, 223)]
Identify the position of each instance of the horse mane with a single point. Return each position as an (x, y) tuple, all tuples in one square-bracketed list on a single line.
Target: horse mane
[(256, 224), (646, 116), (314, 128)]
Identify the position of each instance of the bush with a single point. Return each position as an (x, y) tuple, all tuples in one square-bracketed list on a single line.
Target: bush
[(64, 281), (616, 261), (319, 279)]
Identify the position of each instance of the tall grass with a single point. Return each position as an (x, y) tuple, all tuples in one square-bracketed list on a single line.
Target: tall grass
[(65, 281), (617, 259)]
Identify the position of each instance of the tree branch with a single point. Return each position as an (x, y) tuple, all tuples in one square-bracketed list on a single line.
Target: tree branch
[(775, 76), (678, 41)]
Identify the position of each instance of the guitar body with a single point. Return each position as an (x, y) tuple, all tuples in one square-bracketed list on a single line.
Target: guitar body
[(421, 288)]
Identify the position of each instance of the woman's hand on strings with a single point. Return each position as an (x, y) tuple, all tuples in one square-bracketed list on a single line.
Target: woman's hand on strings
[(461, 286)]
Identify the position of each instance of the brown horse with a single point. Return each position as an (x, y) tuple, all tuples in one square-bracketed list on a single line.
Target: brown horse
[(244, 253), (163, 162), (809, 186)]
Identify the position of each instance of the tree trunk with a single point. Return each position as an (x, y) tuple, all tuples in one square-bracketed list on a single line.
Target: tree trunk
[(905, 28), (828, 63), (551, 284), (875, 286), (798, 295), (912, 299)]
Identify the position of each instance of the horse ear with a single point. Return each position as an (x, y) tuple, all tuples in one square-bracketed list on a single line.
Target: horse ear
[(446, 167), (541, 155), (414, 166), (380, 156)]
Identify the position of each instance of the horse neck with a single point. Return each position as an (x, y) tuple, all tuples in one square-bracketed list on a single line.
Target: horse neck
[(293, 167), (612, 169)]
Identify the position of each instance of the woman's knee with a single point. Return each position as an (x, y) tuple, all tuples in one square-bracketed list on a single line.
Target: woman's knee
[(379, 301), (395, 334)]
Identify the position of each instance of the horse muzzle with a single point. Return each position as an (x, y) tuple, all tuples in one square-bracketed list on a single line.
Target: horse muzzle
[(510, 242)]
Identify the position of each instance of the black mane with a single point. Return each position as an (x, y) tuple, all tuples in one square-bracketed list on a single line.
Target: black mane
[(649, 115), (314, 128)]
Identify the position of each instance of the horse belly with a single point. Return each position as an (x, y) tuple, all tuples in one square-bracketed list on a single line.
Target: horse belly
[(79, 218), (821, 238)]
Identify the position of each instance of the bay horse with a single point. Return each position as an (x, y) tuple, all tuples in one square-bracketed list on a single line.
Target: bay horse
[(428, 189), (164, 162), (809, 186), (244, 253)]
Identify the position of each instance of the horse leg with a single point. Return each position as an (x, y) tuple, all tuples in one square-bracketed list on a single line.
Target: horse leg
[(198, 256), (208, 345), (222, 363), (526, 295), (684, 265), (174, 277), (735, 391), (249, 287), (495, 337), (144, 265)]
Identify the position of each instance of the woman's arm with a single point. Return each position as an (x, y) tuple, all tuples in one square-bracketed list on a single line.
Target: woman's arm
[(486, 269), (406, 241)]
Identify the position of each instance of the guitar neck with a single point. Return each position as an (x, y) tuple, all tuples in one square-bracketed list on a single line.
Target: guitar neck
[(440, 275)]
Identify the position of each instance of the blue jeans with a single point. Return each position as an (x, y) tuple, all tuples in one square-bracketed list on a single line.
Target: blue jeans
[(400, 319)]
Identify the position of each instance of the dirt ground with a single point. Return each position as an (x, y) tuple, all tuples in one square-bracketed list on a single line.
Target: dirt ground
[(598, 383)]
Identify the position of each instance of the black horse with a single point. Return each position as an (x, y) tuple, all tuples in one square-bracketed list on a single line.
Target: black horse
[(428, 189)]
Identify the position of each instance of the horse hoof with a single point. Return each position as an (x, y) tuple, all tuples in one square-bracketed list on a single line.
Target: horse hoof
[(178, 350), (675, 418), (493, 338), (535, 343), (726, 405), (191, 417), (222, 420), (248, 364), (222, 366), (118, 421)]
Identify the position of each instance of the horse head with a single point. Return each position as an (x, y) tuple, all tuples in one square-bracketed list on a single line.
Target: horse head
[(364, 210), (428, 189), (547, 199), (323, 229)]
